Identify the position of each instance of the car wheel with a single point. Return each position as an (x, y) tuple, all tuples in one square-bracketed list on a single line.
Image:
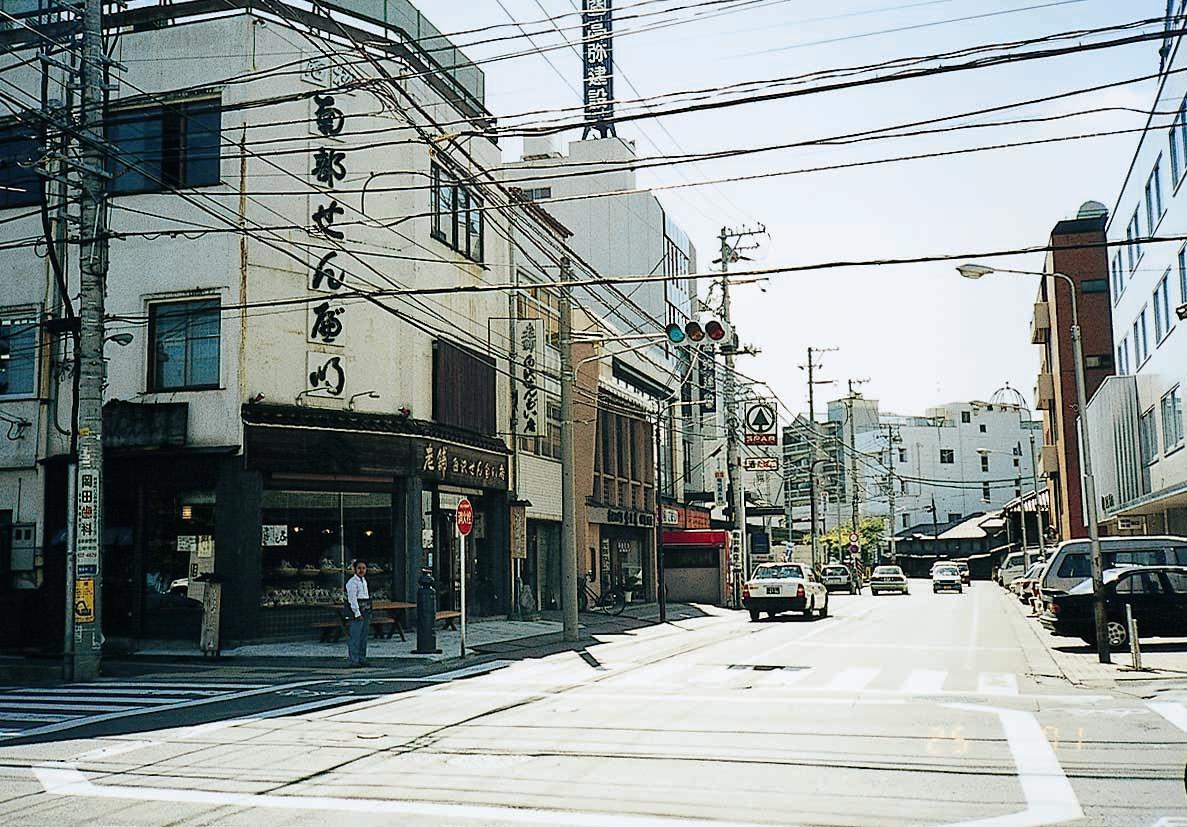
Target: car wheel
[(960, 589), (809, 609), (1117, 633), (754, 613), (771, 614)]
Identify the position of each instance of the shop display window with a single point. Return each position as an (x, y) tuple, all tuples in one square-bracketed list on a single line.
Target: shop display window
[(309, 538)]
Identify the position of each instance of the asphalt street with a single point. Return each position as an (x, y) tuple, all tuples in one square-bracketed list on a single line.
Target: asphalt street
[(895, 710)]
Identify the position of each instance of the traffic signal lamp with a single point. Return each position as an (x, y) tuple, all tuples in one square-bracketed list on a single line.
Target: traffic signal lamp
[(698, 334)]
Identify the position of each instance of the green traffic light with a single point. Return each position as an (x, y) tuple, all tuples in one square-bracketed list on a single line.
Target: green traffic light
[(675, 333)]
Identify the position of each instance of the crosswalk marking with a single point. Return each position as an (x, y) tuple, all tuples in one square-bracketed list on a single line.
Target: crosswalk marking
[(997, 683), (27, 710), (925, 682), (852, 679)]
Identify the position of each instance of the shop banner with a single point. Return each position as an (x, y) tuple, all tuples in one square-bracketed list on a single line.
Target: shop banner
[(529, 408)]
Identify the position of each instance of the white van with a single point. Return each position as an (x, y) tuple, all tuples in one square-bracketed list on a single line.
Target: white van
[(1012, 568), (1071, 563)]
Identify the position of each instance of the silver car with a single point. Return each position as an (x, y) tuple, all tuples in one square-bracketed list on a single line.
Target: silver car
[(946, 578), (888, 579)]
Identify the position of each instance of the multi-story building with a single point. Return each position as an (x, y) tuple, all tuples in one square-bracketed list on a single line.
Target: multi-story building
[(955, 460), (1077, 252), (805, 444), (1135, 419), (280, 398)]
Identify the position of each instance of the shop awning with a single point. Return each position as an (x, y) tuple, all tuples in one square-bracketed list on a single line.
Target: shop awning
[(696, 537)]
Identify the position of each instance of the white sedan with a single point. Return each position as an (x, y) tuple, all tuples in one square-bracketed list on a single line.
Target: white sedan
[(784, 587), (888, 579)]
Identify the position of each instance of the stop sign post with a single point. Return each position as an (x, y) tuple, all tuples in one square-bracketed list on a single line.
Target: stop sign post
[(463, 519)]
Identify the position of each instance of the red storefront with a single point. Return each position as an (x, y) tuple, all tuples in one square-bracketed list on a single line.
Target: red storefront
[(696, 565)]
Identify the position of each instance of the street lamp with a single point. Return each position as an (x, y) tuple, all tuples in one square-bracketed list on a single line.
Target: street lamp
[(976, 271)]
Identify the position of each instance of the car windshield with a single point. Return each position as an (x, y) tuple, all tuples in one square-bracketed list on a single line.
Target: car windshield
[(885, 570), (946, 571), (835, 570), (777, 572)]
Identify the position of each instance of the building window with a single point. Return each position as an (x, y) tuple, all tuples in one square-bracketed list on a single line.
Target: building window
[(1154, 196), (184, 345), (1103, 361), (985, 465), (20, 185), (953, 516), (1162, 309), (1148, 437), (18, 353), (552, 448), (982, 428), (1017, 486), (902, 455), (537, 193), (947, 456), (1123, 357), (985, 495), (1183, 275), (457, 215), (1017, 462), (1176, 160), (165, 147), (1132, 232), (1094, 286), (906, 521), (966, 417), (1118, 277), (1172, 420), (1141, 344)]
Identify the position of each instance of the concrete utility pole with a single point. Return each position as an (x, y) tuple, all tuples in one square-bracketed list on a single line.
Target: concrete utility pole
[(892, 438), (853, 454), (87, 585), (569, 584), (815, 447), (729, 252)]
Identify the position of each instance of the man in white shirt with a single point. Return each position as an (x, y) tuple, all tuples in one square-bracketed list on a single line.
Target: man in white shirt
[(358, 600)]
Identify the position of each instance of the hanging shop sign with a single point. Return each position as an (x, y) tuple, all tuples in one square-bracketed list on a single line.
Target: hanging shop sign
[(529, 408), (454, 464), (597, 58)]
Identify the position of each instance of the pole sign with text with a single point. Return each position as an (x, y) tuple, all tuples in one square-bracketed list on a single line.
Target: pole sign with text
[(597, 59), (529, 341), (464, 517), (761, 424), (760, 463)]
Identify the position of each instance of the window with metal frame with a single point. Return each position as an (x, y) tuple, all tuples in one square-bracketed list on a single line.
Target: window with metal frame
[(163, 147), (1172, 419), (20, 334), (184, 345), (457, 217), (20, 185)]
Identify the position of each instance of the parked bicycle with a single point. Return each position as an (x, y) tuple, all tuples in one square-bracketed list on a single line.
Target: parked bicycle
[(611, 600)]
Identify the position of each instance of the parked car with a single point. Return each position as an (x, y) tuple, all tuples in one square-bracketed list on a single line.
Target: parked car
[(836, 577), (1070, 564), (965, 575), (946, 577), (888, 579), (784, 587), (1023, 586), (1013, 567), (1157, 596)]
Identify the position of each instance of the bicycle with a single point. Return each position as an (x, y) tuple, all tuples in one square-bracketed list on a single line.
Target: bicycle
[(610, 601)]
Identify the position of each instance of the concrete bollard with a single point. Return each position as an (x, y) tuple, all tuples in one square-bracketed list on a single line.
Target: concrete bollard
[(426, 615)]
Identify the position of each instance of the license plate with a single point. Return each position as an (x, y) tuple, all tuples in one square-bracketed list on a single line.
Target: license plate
[(774, 589)]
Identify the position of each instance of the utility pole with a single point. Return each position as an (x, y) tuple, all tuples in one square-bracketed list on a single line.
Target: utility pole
[(815, 448), (730, 252), (87, 585), (891, 439), (853, 454), (569, 583)]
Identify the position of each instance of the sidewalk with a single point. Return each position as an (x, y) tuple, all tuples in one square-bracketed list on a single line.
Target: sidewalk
[(1072, 660)]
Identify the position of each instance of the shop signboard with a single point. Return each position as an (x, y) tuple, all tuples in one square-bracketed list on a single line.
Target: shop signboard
[(519, 532), (464, 517), (529, 400)]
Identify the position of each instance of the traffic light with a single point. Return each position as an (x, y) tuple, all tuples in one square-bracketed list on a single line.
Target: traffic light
[(698, 334)]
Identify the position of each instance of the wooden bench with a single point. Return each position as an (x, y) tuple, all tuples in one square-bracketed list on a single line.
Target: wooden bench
[(384, 627), (331, 630), (448, 618)]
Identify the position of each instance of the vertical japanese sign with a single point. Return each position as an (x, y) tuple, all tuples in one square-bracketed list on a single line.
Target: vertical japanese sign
[(597, 57), (529, 342), (326, 323), (86, 525)]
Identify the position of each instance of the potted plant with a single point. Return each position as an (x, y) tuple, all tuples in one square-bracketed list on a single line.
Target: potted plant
[(632, 582)]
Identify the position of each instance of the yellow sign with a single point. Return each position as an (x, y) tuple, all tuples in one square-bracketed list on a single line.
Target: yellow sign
[(84, 601)]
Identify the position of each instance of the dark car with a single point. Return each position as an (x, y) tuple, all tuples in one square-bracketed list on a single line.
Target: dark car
[(1157, 595)]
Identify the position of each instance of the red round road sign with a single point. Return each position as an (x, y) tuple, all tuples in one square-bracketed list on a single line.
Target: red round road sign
[(464, 517)]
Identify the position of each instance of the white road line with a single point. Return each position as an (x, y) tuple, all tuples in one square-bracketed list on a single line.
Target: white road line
[(1050, 798), (127, 713), (997, 683), (1175, 713), (924, 682), (175, 686), (853, 679), (128, 700), (77, 707), (98, 691), (35, 717), (66, 780)]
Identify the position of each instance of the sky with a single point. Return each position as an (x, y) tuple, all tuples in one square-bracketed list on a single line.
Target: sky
[(918, 335)]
